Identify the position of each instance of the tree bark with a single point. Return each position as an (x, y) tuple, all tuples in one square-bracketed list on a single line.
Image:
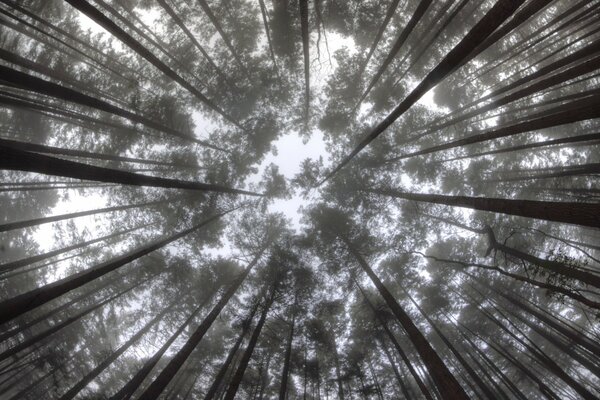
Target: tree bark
[(443, 378), (241, 369), (162, 380), (19, 305), (584, 214), (501, 11), (13, 159)]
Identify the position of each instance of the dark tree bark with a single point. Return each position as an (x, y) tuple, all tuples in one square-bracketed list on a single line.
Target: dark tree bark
[(90, 376), (263, 11), (33, 340), (162, 380), (388, 16), (239, 373), (443, 378), (474, 376), (25, 302), (102, 20), (501, 11), (54, 218), (11, 266), (217, 382), (47, 88), (286, 363), (397, 346), (549, 265), (303, 5), (213, 19), (19, 160), (134, 383), (584, 214), (400, 40), (397, 374)]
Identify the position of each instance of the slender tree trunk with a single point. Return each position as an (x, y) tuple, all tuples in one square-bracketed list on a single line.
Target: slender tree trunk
[(501, 11), (134, 383), (585, 214), (303, 5), (54, 218), (74, 391), (212, 391), (474, 376), (400, 40), (162, 380), (239, 373), (443, 378), (13, 159), (102, 20), (286, 362), (263, 11), (397, 346), (58, 326), (551, 266), (399, 379), (23, 262), (19, 305), (41, 86), (388, 16)]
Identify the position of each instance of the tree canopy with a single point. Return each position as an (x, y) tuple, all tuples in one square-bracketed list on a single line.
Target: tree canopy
[(299, 199)]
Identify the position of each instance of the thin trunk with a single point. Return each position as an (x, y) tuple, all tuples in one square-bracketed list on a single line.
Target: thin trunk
[(54, 218), (13, 159), (443, 378), (400, 40), (213, 19), (568, 140), (214, 387), (303, 4), (40, 148), (263, 11), (134, 383), (474, 376), (21, 304), (34, 84), (585, 214), (162, 380), (102, 20), (501, 11), (23, 262), (90, 376), (388, 16), (549, 265), (399, 379), (58, 326), (241, 369), (397, 346), (286, 362)]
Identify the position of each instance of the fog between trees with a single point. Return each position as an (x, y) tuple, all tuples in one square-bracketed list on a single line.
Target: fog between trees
[(448, 244)]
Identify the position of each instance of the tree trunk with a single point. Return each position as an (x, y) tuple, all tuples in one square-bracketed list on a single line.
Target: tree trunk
[(18, 160), (23, 262), (447, 384), (501, 11), (102, 20), (388, 16), (58, 326), (585, 214), (212, 391), (303, 5), (162, 380), (399, 379), (54, 218), (25, 302), (414, 20), (239, 373), (397, 346), (47, 88), (286, 362), (74, 391)]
